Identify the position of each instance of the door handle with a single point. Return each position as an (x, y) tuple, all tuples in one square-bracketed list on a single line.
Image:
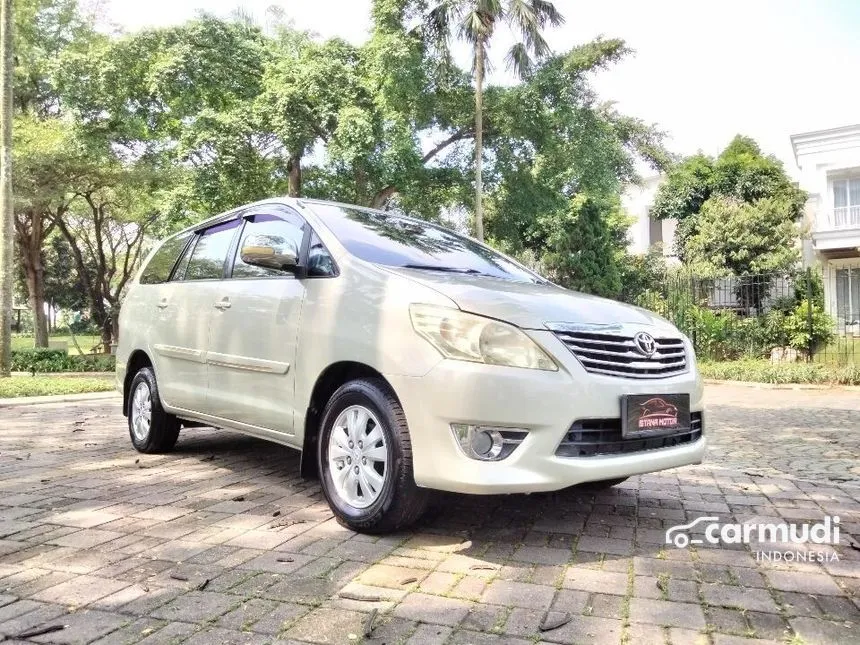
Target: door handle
[(223, 304), (162, 304)]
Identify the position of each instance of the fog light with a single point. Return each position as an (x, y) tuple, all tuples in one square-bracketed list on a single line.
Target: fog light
[(487, 443)]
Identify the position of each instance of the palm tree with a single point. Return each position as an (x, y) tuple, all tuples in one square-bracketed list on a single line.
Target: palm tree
[(475, 21), (6, 213)]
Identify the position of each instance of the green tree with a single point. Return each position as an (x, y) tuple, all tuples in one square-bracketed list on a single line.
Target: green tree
[(741, 173), (742, 238), (583, 252), (749, 240), (475, 21)]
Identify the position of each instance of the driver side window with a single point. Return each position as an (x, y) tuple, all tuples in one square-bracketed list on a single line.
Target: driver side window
[(278, 232)]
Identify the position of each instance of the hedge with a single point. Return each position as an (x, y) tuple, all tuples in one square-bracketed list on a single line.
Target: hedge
[(760, 371), (57, 360)]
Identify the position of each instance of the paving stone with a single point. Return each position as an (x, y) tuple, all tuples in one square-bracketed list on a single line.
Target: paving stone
[(586, 579), (196, 607), (84, 626), (729, 596), (429, 635), (328, 626), (663, 612), (542, 555), (80, 590), (220, 636), (433, 609), (805, 582), (586, 630), (518, 594), (813, 630), (768, 626)]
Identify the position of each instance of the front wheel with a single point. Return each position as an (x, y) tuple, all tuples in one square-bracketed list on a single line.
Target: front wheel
[(364, 456), (152, 429)]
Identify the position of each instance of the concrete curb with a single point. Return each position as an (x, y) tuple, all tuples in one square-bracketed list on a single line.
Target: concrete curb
[(59, 398), (784, 386)]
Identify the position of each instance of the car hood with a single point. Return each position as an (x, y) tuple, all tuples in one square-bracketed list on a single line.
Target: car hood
[(529, 305)]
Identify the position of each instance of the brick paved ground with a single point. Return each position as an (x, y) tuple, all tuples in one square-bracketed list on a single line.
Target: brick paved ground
[(222, 542)]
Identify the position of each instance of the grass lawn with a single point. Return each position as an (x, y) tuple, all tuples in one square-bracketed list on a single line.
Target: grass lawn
[(86, 342), (16, 386)]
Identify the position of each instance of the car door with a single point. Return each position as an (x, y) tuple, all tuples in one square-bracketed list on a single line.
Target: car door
[(252, 337), (185, 309)]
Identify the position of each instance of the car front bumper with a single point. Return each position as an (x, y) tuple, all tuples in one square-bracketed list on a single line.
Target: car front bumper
[(545, 404)]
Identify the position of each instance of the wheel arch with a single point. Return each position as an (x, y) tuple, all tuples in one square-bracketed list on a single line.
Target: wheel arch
[(329, 380), (136, 361)]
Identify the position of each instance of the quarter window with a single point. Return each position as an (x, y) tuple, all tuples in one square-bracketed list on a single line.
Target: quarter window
[(159, 267), (280, 233), (210, 252), (320, 262)]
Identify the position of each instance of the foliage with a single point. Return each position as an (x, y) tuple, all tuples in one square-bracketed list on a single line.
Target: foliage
[(582, 249), (741, 184), (761, 371), (797, 327), (741, 172), (740, 238), (57, 360), (18, 386)]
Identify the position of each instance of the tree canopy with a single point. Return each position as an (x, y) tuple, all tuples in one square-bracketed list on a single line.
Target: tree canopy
[(728, 198), (146, 132)]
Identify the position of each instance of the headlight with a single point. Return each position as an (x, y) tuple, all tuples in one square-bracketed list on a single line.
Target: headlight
[(467, 337)]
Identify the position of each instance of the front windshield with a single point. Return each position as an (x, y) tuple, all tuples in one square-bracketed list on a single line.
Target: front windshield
[(396, 241)]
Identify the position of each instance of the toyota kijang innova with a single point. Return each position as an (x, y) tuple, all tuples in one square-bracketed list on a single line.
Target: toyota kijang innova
[(399, 357)]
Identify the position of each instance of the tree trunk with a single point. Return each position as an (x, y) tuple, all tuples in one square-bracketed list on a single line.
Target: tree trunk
[(381, 198), (34, 273), (6, 204), (294, 168), (30, 247), (479, 139)]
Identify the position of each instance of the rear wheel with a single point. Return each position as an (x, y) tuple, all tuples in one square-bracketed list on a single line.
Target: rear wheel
[(365, 459), (152, 430)]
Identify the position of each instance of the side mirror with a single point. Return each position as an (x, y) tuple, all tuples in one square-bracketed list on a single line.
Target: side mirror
[(270, 252)]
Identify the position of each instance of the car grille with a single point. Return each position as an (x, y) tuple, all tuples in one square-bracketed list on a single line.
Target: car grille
[(594, 437), (616, 355)]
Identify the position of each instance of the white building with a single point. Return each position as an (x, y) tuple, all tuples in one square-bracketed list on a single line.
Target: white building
[(829, 163), (645, 231)]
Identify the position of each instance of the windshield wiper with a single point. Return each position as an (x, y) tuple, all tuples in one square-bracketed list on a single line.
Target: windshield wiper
[(440, 267)]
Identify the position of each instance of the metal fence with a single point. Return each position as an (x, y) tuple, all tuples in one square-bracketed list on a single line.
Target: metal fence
[(810, 315)]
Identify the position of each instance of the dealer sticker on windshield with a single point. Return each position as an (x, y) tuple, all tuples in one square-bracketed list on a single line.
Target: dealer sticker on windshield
[(648, 415)]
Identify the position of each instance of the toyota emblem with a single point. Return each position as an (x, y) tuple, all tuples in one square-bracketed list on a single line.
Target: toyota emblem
[(645, 343)]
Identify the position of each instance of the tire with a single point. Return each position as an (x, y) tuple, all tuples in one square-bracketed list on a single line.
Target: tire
[(163, 427), (382, 508), (605, 483)]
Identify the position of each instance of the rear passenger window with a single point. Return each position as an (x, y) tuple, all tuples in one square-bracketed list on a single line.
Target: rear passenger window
[(159, 267), (210, 252)]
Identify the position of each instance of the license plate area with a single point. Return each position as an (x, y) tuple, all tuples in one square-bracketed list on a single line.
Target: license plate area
[(653, 415)]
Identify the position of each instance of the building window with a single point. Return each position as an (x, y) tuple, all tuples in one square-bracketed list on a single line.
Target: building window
[(848, 296), (846, 202)]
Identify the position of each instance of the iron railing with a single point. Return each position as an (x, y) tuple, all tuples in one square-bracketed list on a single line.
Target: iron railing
[(812, 314)]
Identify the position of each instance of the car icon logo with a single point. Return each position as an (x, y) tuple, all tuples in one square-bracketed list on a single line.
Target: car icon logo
[(676, 535), (645, 343)]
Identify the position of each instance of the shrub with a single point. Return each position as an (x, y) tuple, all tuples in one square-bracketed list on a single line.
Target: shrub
[(797, 328), (56, 360), (762, 371)]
